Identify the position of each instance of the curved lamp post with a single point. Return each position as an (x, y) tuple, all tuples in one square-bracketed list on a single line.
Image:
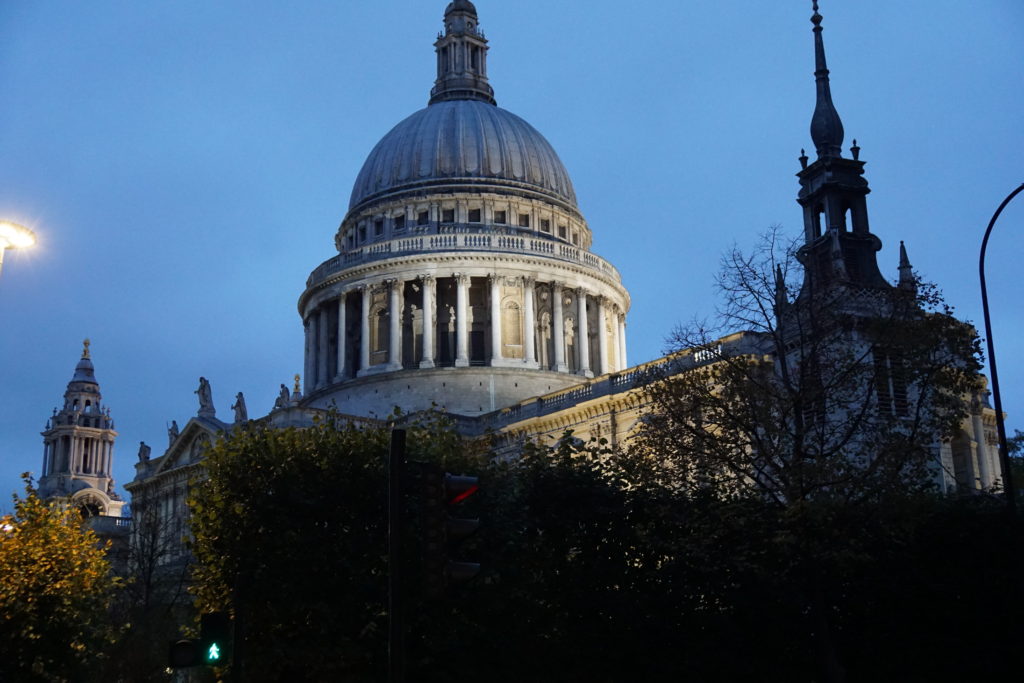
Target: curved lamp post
[(14, 236), (1004, 454)]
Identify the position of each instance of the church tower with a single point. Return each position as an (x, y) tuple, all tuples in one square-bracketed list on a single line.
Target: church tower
[(78, 447), (839, 247)]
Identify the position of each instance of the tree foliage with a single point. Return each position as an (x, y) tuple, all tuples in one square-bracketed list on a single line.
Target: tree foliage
[(595, 568), (842, 392), (55, 589), (290, 534)]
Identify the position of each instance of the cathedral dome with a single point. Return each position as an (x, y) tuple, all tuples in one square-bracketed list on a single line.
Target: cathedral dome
[(463, 143)]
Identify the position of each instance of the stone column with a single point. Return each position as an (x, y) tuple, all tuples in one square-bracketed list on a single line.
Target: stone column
[(342, 339), (984, 470), (308, 365), (323, 344), (584, 333), (529, 329), (622, 342), (559, 327), (494, 281), (462, 321), (602, 338), (614, 351), (364, 330), (429, 328), (394, 325)]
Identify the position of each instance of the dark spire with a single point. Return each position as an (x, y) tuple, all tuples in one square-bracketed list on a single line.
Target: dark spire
[(781, 298), (906, 270), (461, 57), (826, 127)]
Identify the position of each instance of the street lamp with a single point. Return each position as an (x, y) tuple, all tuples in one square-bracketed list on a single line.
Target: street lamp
[(1004, 453), (14, 236)]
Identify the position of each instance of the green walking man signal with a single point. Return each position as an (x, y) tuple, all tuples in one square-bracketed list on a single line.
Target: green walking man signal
[(211, 649)]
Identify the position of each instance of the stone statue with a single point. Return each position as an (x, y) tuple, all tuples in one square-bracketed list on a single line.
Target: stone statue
[(206, 408), (282, 399), (241, 414), (172, 433), (144, 452)]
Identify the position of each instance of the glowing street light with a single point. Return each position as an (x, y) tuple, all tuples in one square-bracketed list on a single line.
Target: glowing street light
[(14, 236)]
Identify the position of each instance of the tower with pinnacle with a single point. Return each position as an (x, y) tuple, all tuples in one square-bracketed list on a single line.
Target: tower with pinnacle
[(78, 447), (839, 248)]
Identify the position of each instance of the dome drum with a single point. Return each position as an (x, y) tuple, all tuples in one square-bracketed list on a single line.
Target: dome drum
[(445, 213)]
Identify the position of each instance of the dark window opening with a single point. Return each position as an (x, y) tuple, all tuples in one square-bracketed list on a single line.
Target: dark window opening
[(448, 216), (499, 217), (378, 227), (524, 220), (562, 231), (399, 222), (422, 218), (362, 233), (474, 215), (545, 225)]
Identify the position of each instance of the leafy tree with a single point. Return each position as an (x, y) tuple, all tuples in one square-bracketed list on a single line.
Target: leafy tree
[(153, 603), (596, 567), (839, 393), (54, 594), (289, 531)]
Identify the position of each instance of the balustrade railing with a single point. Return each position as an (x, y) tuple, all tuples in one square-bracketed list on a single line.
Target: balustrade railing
[(456, 239)]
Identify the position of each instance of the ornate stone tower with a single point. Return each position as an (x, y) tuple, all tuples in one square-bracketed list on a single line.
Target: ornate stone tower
[(842, 249), (464, 277), (78, 447)]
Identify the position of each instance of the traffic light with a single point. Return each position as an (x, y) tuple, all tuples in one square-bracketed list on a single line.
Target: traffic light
[(442, 533), (213, 648), (214, 639)]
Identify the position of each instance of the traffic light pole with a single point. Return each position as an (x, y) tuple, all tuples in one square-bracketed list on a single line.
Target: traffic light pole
[(396, 603)]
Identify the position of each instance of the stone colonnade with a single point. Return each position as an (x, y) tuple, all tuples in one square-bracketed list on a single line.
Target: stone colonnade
[(82, 455), (460, 321)]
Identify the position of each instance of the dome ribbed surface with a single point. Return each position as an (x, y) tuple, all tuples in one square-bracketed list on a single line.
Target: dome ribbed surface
[(462, 140)]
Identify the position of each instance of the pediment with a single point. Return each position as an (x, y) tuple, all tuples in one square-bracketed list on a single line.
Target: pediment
[(188, 448)]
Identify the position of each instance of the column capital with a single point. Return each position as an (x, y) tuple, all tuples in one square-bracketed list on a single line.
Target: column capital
[(428, 279), (529, 281), (461, 278)]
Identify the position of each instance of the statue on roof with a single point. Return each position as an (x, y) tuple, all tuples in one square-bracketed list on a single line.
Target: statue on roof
[(241, 414), (172, 433), (206, 408), (144, 452), (283, 398)]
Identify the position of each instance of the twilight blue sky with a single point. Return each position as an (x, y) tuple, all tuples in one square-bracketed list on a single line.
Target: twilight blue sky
[(185, 165)]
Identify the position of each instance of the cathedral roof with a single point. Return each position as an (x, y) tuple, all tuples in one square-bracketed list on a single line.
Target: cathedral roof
[(462, 142)]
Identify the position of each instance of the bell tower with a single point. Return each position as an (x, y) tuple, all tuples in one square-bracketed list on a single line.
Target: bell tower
[(78, 447), (461, 57), (838, 246)]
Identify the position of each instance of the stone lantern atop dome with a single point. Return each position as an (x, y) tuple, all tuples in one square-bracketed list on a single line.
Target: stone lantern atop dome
[(464, 277), (461, 57)]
